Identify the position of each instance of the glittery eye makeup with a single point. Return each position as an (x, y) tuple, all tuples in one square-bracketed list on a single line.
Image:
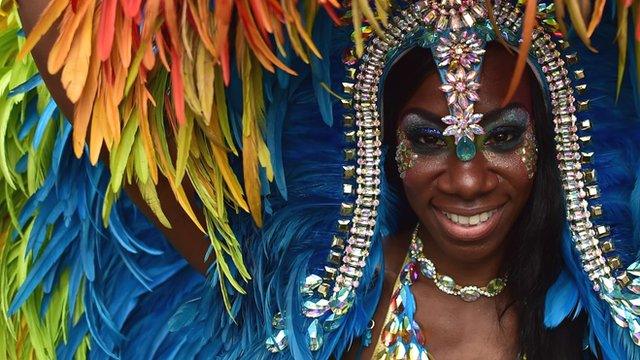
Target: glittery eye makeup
[(423, 133), (505, 133)]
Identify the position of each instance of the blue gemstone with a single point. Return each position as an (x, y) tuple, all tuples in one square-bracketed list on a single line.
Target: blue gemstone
[(466, 149)]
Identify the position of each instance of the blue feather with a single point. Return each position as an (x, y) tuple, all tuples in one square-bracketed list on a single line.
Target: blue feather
[(30, 84), (45, 118)]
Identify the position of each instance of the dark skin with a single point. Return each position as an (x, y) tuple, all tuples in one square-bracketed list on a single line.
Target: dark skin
[(184, 235), (454, 329), (495, 178)]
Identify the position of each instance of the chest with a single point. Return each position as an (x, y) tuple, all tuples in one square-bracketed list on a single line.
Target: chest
[(452, 328)]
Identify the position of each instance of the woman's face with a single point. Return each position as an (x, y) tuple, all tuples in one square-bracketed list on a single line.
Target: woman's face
[(468, 208)]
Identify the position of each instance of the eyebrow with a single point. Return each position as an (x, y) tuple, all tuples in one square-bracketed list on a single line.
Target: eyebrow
[(425, 115), (435, 119)]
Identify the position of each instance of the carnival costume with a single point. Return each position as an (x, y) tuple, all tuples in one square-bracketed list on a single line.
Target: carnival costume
[(296, 202)]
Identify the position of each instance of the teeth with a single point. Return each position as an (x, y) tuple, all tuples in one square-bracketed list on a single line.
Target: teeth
[(470, 220)]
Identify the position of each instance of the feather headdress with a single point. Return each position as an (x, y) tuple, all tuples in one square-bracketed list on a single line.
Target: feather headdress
[(210, 93)]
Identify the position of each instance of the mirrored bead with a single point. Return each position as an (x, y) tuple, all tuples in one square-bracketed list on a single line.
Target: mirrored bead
[(496, 286), (332, 322), (277, 321), (341, 301), (447, 282), (399, 351), (428, 269), (311, 283), (314, 309), (469, 293), (634, 285), (634, 329), (277, 342), (315, 335)]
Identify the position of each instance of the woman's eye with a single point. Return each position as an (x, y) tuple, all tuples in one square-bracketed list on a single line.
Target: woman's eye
[(430, 140), (505, 138), (426, 139)]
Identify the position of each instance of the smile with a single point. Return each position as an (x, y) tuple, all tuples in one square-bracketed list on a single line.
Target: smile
[(470, 220), (470, 226)]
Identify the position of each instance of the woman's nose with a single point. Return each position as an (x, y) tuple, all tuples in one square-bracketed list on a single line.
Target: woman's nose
[(468, 180)]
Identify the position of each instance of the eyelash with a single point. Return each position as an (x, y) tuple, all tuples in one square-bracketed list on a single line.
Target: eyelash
[(431, 140), (426, 140), (497, 141)]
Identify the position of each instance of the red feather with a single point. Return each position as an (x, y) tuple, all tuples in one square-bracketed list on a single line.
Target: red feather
[(106, 30), (222, 15), (331, 11), (131, 7), (74, 5), (177, 86)]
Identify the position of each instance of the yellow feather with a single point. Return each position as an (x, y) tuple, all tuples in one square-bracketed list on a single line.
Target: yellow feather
[(621, 39), (150, 196), (183, 143), (221, 110), (577, 20), (205, 81), (357, 27), (252, 111), (97, 130)]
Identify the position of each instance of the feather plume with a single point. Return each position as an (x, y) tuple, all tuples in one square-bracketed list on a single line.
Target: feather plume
[(528, 23)]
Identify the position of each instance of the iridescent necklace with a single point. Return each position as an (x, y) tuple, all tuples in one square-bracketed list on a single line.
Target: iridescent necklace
[(401, 336)]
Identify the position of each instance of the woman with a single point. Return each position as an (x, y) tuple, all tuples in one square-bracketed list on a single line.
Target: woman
[(479, 177)]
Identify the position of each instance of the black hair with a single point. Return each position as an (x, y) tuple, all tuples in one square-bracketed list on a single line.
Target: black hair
[(534, 247)]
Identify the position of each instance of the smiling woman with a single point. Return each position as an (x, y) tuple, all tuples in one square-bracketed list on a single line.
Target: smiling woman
[(438, 199), (491, 220)]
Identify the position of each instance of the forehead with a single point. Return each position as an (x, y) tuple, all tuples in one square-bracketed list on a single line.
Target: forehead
[(495, 77)]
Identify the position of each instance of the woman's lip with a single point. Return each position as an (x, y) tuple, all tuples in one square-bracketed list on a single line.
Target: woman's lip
[(466, 232)]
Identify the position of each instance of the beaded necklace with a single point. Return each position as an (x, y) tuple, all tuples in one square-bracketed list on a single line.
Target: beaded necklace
[(401, 336)]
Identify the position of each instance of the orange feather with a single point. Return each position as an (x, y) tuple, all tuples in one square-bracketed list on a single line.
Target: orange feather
[(49, 16), (523, 53), (68, 29), (76, 70), (222, 15), (177, 86), (124, 40)]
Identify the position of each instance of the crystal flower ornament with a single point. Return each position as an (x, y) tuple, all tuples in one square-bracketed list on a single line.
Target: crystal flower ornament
[(463, 126), (463, 49), (461, 88), (463, 123)]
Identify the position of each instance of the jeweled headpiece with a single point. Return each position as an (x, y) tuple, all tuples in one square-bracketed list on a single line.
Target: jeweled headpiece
[(457, 32)]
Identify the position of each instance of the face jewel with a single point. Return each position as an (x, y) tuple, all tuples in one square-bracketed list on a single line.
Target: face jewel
[(277, 342), (315, 335), (461, 88), (463, 123)]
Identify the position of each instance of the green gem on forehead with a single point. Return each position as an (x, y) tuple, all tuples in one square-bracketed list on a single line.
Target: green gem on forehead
[(466, 149)]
